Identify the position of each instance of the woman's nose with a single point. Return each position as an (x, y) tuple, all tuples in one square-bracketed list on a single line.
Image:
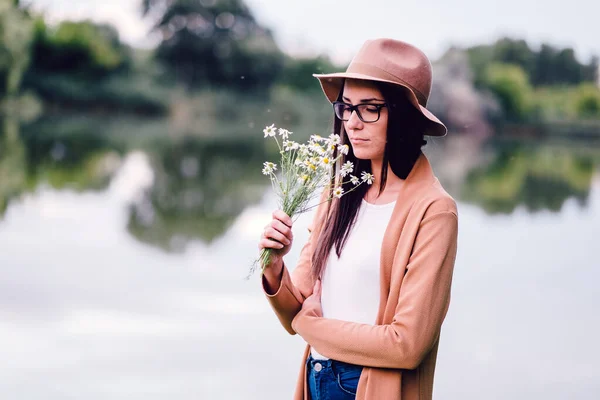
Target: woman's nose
[(354, 122)]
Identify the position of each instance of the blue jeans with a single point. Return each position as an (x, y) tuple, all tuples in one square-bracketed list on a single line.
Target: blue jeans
[(331, 379)]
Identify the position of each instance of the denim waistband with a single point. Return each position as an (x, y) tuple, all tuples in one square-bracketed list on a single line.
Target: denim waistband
[(310, 362)]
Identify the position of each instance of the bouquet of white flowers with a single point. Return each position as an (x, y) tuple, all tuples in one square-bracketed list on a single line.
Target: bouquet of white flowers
[(306, 168)]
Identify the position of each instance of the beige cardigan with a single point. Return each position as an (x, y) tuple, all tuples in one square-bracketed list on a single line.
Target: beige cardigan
[(417, 260)]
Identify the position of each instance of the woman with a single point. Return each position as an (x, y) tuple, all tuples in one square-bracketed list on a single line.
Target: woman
[(372, 285)]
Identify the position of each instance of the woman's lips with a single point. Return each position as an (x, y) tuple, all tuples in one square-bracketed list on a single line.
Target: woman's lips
[(358, 140)]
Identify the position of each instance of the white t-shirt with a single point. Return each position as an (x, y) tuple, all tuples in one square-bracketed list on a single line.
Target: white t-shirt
[(350, 286)]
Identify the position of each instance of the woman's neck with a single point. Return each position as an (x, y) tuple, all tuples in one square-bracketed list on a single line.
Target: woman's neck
[(392, 185), (376, 170)]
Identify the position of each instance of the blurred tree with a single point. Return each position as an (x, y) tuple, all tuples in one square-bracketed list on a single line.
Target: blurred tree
[(554, 66), (587, 104), (510, 51), (297, 72), (82, 65), (548, 66), (15, 39), (544, 69), (83, 49), (590, 73), (567, 67), (215, 42), (509, 83)]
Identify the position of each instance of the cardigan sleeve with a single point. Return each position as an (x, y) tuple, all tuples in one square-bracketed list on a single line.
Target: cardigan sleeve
[(422, 305), (297, 286)]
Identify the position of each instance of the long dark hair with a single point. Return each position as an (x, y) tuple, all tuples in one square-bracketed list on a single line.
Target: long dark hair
[(405, 138)]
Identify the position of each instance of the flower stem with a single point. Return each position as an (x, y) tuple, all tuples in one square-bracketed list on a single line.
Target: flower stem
[(264, 259)]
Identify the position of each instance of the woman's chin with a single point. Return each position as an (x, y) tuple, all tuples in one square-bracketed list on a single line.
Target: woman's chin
[(362, 155)]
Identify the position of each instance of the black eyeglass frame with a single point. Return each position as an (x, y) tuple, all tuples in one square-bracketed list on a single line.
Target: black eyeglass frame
[(354, 108)]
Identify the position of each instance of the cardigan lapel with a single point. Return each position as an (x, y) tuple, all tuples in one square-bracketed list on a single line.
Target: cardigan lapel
[(421, 176)]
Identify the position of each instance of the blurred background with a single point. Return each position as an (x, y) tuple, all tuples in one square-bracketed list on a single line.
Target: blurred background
[(131, 194)]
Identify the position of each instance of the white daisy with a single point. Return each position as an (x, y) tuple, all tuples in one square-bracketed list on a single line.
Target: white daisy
[(269, 131), (338, 192), (334, 139), (303, 149), (284, 133), (289, 145), (269, 168), (355, 181), (367, 177), (309, 165), (344, 149), (346, 168), (317, 148)]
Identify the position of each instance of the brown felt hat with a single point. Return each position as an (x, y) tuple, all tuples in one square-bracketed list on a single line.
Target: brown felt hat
[(390, 61)]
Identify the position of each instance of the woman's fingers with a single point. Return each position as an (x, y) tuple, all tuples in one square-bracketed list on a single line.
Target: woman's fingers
[(266, 243), (278, 233), (281, 228), (272, 233), (283, 217)]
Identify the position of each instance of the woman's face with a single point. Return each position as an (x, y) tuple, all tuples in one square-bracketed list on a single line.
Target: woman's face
[(367, 139)]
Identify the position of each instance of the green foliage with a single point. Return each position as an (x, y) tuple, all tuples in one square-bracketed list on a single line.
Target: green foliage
[(215, 43), (547, 66), (554, 102), (297, 72), (114, 94), (228, 113), (560, 66), (15, 39), (82, 66), (79, 48), (516, 52), (588, 101), (567, 102), (510, 85)]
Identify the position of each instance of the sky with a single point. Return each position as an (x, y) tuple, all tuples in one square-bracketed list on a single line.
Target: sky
[(339, 28)]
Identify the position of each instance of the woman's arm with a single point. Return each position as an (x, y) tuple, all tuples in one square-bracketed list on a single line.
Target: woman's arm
[(287, 292), (422, 306), (287, 300)]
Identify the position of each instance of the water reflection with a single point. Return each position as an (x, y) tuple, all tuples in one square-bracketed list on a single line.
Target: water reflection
[(35, 156), (12, 164), (200, 188), (201, 185), (540, 177), (76, 286)]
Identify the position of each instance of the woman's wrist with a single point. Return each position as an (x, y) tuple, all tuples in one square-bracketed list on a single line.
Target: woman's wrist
[(273, 274)]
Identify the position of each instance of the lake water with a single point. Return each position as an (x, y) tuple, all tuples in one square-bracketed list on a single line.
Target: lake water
[(123, 272)]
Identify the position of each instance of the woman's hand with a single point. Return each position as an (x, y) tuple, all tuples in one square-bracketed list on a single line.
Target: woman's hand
[(313, 302), (277, 236)]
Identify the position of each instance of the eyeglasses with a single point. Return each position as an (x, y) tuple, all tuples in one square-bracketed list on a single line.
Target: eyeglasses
[(366, 112)]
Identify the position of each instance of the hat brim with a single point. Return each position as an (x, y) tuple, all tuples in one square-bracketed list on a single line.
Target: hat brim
[(332, 84)]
